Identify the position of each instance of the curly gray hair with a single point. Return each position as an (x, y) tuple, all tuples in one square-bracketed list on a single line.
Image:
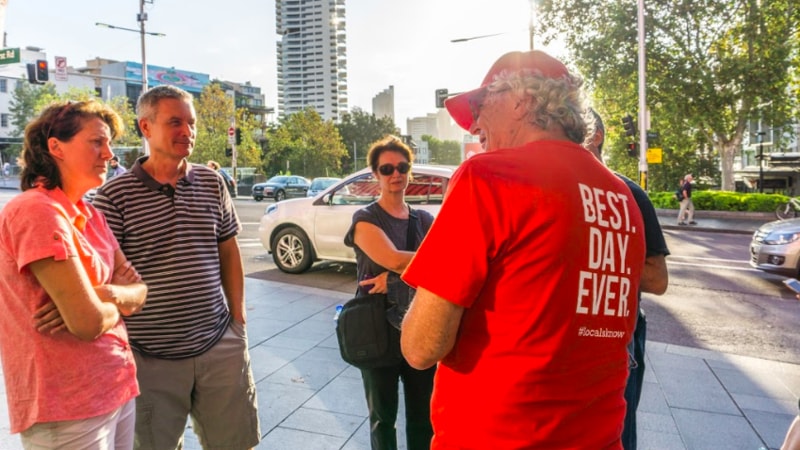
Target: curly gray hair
[(552, 101)]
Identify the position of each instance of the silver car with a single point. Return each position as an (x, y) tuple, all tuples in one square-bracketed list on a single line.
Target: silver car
[(300, 231), (776, 247)]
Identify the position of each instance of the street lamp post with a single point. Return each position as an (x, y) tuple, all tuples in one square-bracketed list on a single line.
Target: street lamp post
[(141, 17), (531, 32)]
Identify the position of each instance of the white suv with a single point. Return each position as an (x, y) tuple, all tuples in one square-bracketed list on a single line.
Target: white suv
[(300, 231)]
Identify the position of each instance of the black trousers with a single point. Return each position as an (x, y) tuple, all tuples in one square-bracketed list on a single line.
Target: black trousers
[(381, 387), (633, 390)]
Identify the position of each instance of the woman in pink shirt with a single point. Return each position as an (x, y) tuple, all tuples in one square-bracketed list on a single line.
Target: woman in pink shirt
[(69, 371)]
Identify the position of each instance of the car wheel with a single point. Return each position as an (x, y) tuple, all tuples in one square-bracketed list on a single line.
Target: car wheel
[(292, 251), (280, 195), (258, 199)]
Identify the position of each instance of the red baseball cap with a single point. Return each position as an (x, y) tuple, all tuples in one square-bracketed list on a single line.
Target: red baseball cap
[(535, 61)]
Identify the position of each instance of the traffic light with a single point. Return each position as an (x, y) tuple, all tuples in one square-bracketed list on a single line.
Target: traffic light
[(228, 152), (629, 125), (238, 136), (38, 72), (441, 96), (633, 149), (42, 74)]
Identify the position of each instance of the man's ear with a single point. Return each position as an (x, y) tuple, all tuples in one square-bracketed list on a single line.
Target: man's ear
[(144, 127), (521, 108)]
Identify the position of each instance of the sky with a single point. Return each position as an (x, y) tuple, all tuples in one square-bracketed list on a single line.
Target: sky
[(403, 43)]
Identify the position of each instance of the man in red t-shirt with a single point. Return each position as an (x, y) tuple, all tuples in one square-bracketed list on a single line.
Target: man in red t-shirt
[(527, 280)]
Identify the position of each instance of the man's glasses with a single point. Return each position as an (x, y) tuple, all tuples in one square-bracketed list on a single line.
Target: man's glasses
[(388, 169), (477, 101)]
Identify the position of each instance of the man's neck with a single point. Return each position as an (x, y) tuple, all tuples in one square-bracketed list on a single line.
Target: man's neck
[(165, 170)]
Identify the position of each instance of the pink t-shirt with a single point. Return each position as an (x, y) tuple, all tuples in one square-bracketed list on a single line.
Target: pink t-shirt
[(57, 377), (543, 247)]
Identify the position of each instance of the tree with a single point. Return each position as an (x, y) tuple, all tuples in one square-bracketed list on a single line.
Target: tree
[(303, 143), (443, 152), (359, 130), (712, 66), (214, 109), (29, 100)]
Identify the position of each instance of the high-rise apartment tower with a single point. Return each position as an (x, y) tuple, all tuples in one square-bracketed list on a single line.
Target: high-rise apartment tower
[(312, 57)]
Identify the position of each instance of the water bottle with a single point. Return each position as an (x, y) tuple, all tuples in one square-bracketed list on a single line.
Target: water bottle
[(338, 311)]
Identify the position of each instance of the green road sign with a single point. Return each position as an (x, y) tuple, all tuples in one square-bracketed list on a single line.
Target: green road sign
[(9, 55)]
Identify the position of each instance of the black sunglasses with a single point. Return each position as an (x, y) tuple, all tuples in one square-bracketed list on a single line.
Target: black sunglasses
[(388, 169)]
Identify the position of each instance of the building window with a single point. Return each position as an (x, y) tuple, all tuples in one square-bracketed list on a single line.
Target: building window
[(3, 85), (4, 119)]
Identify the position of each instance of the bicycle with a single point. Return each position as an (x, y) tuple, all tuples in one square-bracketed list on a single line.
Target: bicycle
[(789, 210)]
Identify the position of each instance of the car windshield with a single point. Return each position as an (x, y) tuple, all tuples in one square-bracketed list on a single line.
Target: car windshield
[(320, 184), (280, 179)]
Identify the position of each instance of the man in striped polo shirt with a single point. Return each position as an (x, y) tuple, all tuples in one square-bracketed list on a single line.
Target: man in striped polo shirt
[(176, 223)]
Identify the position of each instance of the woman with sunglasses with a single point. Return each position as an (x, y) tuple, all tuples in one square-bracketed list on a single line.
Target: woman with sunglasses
[(378, 235), (69, 371)]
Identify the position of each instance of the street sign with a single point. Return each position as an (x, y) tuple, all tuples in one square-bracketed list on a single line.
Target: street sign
[(231, 135), (61, 68), (9, 55), (654, 155)]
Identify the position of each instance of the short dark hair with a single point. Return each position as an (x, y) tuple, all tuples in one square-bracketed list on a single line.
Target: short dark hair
[(389, 143), (598, 126)]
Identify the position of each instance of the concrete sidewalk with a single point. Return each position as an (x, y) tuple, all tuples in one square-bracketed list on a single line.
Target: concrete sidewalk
[(309, 399)]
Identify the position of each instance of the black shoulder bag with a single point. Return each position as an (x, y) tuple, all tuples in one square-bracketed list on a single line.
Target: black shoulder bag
[(366, 339)]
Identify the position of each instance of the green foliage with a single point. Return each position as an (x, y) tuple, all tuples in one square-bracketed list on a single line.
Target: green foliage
[(443, 152), (709, 67), (722, 201), (29, 100), (304, 144), (359, 130)]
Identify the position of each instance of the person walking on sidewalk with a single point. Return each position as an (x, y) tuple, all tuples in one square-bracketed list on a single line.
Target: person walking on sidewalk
[(654, 280), (377, 234), (70, 375), (177, 223), (686, 211), (531, 351)]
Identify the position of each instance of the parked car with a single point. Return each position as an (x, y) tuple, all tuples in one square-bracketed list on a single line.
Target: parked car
[(281, 187), (319, 184), (229, 182), (776, 247), (301, 231)]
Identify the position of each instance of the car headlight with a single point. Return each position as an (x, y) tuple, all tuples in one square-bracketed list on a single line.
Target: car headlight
[(271, 209), (781, 238)]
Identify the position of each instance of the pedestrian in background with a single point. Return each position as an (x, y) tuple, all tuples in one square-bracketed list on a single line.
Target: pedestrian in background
[(115, 167), (69, 371), (378, 234), (176, 222), (532, 352), (686, 212), (654, 280)]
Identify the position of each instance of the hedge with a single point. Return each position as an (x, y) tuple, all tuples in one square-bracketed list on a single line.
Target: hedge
[(722, 201)]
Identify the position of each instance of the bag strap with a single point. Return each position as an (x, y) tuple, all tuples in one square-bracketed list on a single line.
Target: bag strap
[(412, 225)]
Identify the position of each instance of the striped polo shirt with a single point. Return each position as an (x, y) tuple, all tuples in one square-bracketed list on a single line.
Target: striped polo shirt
[(172, 238)]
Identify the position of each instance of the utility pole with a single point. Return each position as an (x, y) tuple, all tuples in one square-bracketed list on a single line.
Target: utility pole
[(760, 135), (643, 122)]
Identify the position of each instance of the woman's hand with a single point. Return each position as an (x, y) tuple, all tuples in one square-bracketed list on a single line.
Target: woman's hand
[(125, 274), (47, 319), (379, 284)]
